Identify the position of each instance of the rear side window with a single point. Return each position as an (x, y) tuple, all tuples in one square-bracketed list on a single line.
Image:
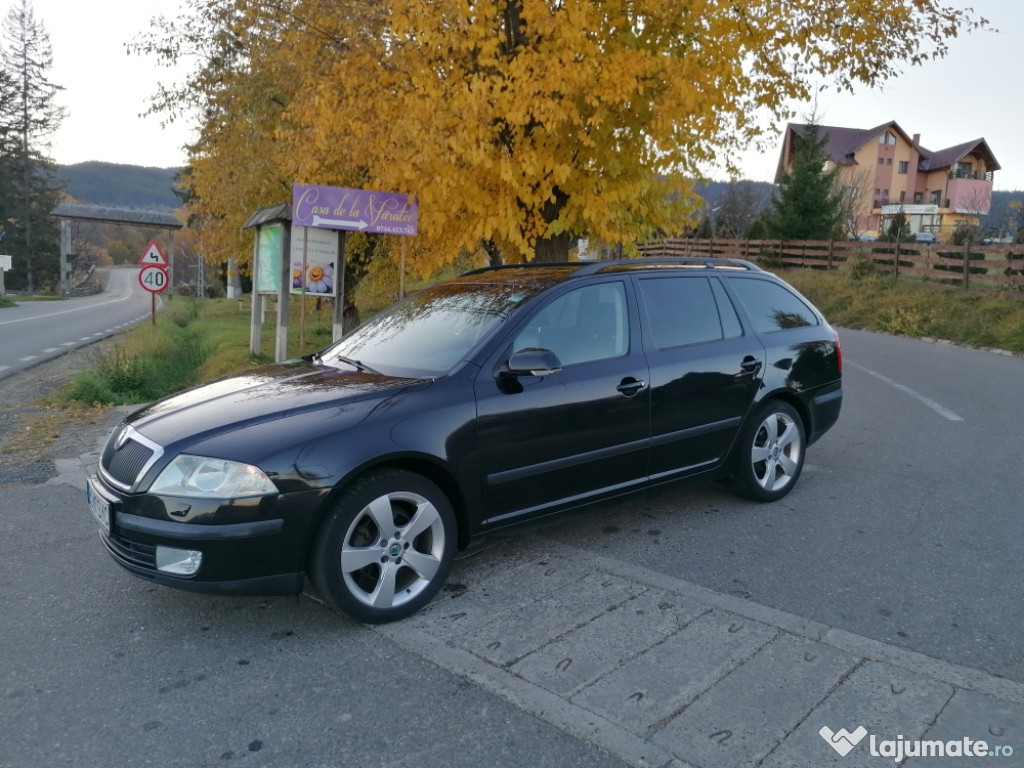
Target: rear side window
[(684, 310), (773, 307)]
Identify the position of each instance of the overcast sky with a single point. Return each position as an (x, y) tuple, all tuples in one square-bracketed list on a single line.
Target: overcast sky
[(976, 92)]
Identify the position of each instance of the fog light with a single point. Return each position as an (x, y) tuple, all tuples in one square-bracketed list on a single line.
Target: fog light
[(181, 562)]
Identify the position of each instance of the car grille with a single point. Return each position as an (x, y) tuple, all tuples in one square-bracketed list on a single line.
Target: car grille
[(141, 555), (125, 458)]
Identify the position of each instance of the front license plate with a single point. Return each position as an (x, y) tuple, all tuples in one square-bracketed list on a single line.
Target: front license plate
[(99, 506)]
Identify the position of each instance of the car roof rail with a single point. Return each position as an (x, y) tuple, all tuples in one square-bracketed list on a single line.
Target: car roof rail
[(667, 261), (593, 267), (523, 265)]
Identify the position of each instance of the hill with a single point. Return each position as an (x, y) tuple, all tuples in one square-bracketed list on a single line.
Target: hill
[(125, 185)]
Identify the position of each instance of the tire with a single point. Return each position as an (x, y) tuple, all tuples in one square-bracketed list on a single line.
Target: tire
[(772, 447), (386, 547)]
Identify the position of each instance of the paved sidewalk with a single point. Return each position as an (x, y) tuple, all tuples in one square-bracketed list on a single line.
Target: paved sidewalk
[(661, 672)]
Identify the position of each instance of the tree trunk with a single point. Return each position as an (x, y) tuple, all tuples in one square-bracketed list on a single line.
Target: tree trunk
[(554, 247)]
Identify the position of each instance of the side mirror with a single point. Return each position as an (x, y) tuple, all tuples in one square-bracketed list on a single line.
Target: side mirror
[(534, 362)]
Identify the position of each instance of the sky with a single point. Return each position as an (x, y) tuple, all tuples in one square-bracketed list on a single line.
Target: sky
[(975, 92)]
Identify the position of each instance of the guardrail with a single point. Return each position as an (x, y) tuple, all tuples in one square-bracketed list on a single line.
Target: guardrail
[(974, 267)]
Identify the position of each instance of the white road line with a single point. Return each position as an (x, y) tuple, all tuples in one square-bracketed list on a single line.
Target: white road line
[(69, 343), (66, 311), (52, 349), (939, 409), (85, 338), (4, 367), (27, 359)]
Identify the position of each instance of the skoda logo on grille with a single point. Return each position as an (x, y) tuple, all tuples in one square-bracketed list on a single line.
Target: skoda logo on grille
[(122, 438)]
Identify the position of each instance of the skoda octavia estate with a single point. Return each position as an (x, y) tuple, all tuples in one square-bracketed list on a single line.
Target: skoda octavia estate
[(502, 396)]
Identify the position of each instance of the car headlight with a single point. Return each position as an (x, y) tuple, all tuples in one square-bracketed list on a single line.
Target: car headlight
[(200, 476)]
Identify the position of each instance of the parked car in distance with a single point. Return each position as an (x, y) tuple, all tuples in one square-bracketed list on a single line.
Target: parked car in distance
[(925, 237), (502, 396)]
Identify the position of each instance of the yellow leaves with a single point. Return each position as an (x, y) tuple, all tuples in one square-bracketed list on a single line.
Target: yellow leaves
[(610, 104)]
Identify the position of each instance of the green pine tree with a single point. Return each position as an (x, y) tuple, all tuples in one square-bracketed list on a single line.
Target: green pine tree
[(807, 207), (29, 114), (898, 230)]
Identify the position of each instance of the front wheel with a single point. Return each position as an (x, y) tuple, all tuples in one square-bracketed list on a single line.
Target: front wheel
[(385, 548), (772, 453)]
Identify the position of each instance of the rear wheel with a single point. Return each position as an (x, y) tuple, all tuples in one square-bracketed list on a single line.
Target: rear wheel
[(386, 548), (772, 453)]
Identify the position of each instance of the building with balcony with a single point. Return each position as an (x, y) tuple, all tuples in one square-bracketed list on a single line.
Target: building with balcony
[(883, 170)]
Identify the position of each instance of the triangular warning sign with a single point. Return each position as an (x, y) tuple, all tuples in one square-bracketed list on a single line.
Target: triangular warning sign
[(153, 255)]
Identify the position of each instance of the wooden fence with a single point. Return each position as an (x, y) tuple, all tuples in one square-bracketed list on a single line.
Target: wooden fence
[(976, 267)]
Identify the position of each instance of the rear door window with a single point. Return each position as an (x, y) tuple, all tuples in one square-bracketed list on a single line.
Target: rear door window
[(687, 310), (773, 307)]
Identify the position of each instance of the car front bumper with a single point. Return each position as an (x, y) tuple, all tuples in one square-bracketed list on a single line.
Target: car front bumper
[(264, 556)]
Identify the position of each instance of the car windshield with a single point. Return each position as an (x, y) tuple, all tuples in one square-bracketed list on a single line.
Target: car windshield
[(430, 332)]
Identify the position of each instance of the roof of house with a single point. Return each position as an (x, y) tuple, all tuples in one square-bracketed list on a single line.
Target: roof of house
[(842, 144)]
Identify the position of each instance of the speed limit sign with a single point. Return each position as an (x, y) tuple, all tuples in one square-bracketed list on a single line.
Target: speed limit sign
[(153, 278)]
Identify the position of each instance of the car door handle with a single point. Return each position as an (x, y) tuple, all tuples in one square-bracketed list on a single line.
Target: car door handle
[(631, 386), (750, 364)]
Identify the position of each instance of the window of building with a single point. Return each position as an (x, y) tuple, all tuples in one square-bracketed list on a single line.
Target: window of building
[(888, 161), (918, 197), (881, 161), (887, 138), (937, 197), (964, 170), (903, 166), (903, 196)]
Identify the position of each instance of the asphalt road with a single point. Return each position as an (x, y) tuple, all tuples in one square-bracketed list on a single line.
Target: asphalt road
[(36, 331), (906, 527)]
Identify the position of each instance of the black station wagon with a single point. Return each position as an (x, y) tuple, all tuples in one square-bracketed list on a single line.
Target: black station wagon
[(499, 397)]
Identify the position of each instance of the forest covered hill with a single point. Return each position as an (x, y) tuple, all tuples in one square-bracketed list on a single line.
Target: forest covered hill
[(131, 186)]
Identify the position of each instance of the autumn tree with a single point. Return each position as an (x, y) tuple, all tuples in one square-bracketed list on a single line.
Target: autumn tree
[(29, 115), (854, 188), (741, 205), (519, 124)]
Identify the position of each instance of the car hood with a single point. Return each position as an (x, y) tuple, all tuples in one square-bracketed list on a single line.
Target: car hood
[(258, 396)]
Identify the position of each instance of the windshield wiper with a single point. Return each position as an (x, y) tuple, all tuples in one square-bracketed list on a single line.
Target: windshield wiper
[(357, 364)]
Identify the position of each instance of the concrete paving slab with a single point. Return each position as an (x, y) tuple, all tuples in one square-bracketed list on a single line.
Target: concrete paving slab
[(516, 633), (607, 643), (657, 684), (746, 715), (979, 717), (880, 698)]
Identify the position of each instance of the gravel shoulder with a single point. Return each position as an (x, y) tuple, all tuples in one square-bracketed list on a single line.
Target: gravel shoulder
[(34, 430)]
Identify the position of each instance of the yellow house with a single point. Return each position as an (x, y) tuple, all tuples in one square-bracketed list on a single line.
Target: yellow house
[(883, 170)]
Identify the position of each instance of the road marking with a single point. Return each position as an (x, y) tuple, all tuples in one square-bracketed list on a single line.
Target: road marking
[(4, 367), (26, 359), (69, 343), (939, 409), (52, 349), (85, 338), (66, 311)]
